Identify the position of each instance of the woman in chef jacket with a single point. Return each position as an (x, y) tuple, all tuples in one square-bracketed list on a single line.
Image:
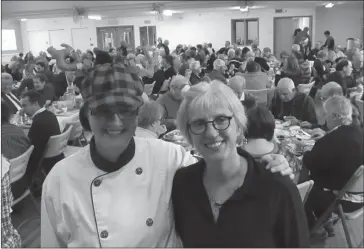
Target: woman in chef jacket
[(115, 192)]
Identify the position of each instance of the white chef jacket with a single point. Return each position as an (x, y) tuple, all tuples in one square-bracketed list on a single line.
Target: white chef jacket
[(83, 206)]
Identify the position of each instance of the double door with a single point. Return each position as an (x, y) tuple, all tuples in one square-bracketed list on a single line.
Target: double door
[(110, 37)]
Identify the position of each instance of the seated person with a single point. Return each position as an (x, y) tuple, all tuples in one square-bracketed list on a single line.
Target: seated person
[(268, 56), (42, 67), (312, 55), (255, 79), (331, 89), (334, 159), (10, 237), (27, 82), (261, 140), (289, 104), (237, 84), (172, 100), (306, 70), (260, 60), (45, 89), (218, 72), (342, 76), (291, 69), (14, 143), (196, 71), (163, 77), (150, 120), (44, 125), (6, 94)]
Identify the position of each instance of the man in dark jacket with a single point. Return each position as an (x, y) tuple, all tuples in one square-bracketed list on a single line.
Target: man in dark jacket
[(44, 125), (329, 43)]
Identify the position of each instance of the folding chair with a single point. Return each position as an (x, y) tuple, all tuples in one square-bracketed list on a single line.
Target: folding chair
[(148, 88), (354, 185), (18, 168), (305, 88), (305, 189), (76, 133), (261, 96)]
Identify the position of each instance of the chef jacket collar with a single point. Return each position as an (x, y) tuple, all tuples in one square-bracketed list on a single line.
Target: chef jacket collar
[(107, 166)]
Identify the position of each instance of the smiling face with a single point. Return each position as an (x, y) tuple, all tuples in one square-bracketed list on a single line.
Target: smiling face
[(113, 129), (214, 144)]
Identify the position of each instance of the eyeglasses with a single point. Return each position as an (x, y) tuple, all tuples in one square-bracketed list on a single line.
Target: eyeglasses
[(219, 123)]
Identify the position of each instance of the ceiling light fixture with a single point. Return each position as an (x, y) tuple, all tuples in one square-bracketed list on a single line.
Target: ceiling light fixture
[(244, 9), (94, 17), (23, 19), (329, 5), (168, 12)]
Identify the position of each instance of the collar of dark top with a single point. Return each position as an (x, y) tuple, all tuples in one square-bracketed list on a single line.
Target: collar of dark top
[(108, 166), (251, 185)]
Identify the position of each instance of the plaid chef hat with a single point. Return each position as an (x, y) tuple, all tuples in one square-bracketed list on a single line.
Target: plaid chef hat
[(112, 86)]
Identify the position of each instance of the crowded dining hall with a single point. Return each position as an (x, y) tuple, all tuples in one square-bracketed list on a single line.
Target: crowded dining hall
[(134, 124)]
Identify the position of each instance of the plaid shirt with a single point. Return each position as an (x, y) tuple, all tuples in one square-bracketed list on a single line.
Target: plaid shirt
[(10, 238)]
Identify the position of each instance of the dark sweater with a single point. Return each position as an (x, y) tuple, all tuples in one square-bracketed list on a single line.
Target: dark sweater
[(60, 84), (263, 63), (217, 75), (338, 78), (335, 157), (47, 93), (329, 43), (195, 79), (45, 125), (26, 83), (301, 106)]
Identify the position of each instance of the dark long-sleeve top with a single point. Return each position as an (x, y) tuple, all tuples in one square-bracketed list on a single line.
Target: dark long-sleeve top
[(26, 83), (195, 79), (301, 106), (60, 84), (217, 75), (330, 43), (44, 125), (266, 211), (47, 93), (338, 78), (335, 157)]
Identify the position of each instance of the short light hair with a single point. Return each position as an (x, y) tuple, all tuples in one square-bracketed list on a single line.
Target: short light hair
[(330, 89), (340, 108), (237, 82), (250, 54), (178, 81), (218, 63), (6, 76), (286, 83), (149, 113), (195, 65), (207, 96), (231, 53)]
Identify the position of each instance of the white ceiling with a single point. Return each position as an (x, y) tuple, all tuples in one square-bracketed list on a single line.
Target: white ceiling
[(112, 9)]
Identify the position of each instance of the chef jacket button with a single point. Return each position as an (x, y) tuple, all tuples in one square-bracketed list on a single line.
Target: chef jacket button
[(104, 234), (139, 171), (149, 222), (97, 182)]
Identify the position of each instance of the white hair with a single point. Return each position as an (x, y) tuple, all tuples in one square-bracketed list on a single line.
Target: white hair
[(231, 53), (286, 83), (218, 63), (330, 89), (208, 96), (340, 108), (195, 65), (295, 47), (149, 113)]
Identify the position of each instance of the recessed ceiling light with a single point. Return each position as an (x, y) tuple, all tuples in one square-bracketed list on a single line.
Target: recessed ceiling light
[(244, 9), (329, 5), (23, 19)]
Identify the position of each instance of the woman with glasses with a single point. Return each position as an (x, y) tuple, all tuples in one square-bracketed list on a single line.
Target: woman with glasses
[(116, 192), (228, 199)]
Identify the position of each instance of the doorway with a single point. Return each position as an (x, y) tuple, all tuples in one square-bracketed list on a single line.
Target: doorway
[(148, 35), (110, 37), (284, 28)]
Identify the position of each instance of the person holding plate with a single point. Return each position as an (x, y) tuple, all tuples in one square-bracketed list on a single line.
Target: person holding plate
[(290, 105)]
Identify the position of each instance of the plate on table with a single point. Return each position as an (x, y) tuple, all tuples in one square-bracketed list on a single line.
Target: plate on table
[(281, 134)]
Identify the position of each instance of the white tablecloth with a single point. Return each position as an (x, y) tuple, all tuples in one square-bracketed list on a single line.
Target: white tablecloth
[(63, 119)]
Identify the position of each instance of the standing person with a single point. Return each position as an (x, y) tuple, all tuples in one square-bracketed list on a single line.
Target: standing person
[(115, 192), (330, 42)]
